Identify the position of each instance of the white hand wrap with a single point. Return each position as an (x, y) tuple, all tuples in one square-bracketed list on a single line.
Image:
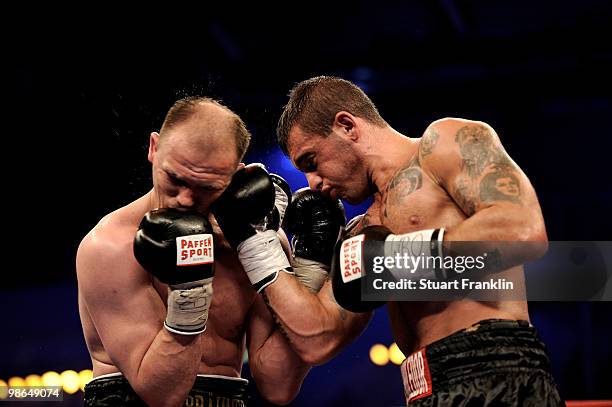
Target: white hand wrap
[(188, 306), (310, 273), (262, 257), (281, 202), (419, 246)]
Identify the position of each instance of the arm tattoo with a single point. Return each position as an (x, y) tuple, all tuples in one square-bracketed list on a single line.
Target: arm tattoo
[(340, 309), (428, 142), (500, 186), (356, 225), (465, 196), (489, 176), (365, 221), (275, 317), (480, 150)]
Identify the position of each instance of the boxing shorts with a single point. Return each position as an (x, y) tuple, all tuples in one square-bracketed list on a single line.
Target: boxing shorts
[(113, 390), (492, 363)]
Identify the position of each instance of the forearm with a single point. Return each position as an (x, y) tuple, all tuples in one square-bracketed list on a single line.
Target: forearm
[(168, 369), (513, 235), (313, 323), (500, 223), (278, 370), (300, 312)]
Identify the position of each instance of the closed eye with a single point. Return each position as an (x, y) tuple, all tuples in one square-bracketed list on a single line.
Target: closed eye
[(176, 181), (307, 163), (210, 188)]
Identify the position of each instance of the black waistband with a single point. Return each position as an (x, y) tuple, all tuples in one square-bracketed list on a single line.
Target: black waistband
[(116, 391), (490, 345)]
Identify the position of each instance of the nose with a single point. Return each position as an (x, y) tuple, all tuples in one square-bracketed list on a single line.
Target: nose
[(314, 181), (185, 198)]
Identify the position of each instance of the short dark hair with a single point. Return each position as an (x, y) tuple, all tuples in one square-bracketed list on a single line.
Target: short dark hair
[(184, 108), (313, 105)]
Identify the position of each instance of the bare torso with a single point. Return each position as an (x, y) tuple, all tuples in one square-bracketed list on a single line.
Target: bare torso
[(223, 342), (418, 202)]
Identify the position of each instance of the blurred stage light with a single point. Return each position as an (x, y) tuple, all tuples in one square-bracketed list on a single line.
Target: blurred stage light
[(71, 382), (3, 389), (16, 382), (33, 380), (395, 354), (379, 354), (51, 379), (85, 377)]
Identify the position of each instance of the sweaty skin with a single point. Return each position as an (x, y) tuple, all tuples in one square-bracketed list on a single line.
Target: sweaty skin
[(456, 176), (122, 307)]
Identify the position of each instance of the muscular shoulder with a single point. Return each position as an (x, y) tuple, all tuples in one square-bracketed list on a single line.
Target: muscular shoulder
[(447, 144), (451, 125), (110, 235), (107, 249), (449, 132)]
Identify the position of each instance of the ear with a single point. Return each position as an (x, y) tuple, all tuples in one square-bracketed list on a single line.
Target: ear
[(346, 123), (153, 144)]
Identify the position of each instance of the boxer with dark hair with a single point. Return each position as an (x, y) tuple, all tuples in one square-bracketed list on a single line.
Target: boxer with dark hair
[(166, 311), (455, 183)]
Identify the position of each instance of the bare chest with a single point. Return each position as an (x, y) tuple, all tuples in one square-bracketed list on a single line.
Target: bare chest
[(413, 201)]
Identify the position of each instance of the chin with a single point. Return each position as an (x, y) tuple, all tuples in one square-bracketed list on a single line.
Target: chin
[(354, 200), (357, 196)]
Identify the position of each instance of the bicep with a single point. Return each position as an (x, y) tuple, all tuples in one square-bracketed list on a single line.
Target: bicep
[(125, 308), (471, 163)]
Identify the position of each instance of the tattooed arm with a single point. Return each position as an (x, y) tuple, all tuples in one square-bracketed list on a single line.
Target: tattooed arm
[(468, 160), (314, 325)]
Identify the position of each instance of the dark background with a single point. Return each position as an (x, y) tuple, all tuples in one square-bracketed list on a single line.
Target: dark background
[(85, 88)]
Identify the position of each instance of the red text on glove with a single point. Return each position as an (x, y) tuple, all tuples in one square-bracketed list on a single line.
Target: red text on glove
[(194, 249), (351, 258)]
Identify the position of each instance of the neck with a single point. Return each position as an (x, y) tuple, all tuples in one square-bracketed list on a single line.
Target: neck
[(391, 152), (151, 199)]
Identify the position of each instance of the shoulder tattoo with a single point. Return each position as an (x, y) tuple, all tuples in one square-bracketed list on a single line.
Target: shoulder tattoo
[(428, 141), (480, 150)]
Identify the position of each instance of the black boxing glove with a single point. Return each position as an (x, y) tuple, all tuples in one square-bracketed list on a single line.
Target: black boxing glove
[(282, 199), (241, 212), (315, 223), (242, 208), (176, 246), (354, 257)]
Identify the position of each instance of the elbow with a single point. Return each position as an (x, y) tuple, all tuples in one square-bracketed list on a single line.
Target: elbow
[(314, 355), (314, 347), (534, 240), (281, 395), (152, 399), (313, 358), (280, 399), (538, 249), (162, 401)]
